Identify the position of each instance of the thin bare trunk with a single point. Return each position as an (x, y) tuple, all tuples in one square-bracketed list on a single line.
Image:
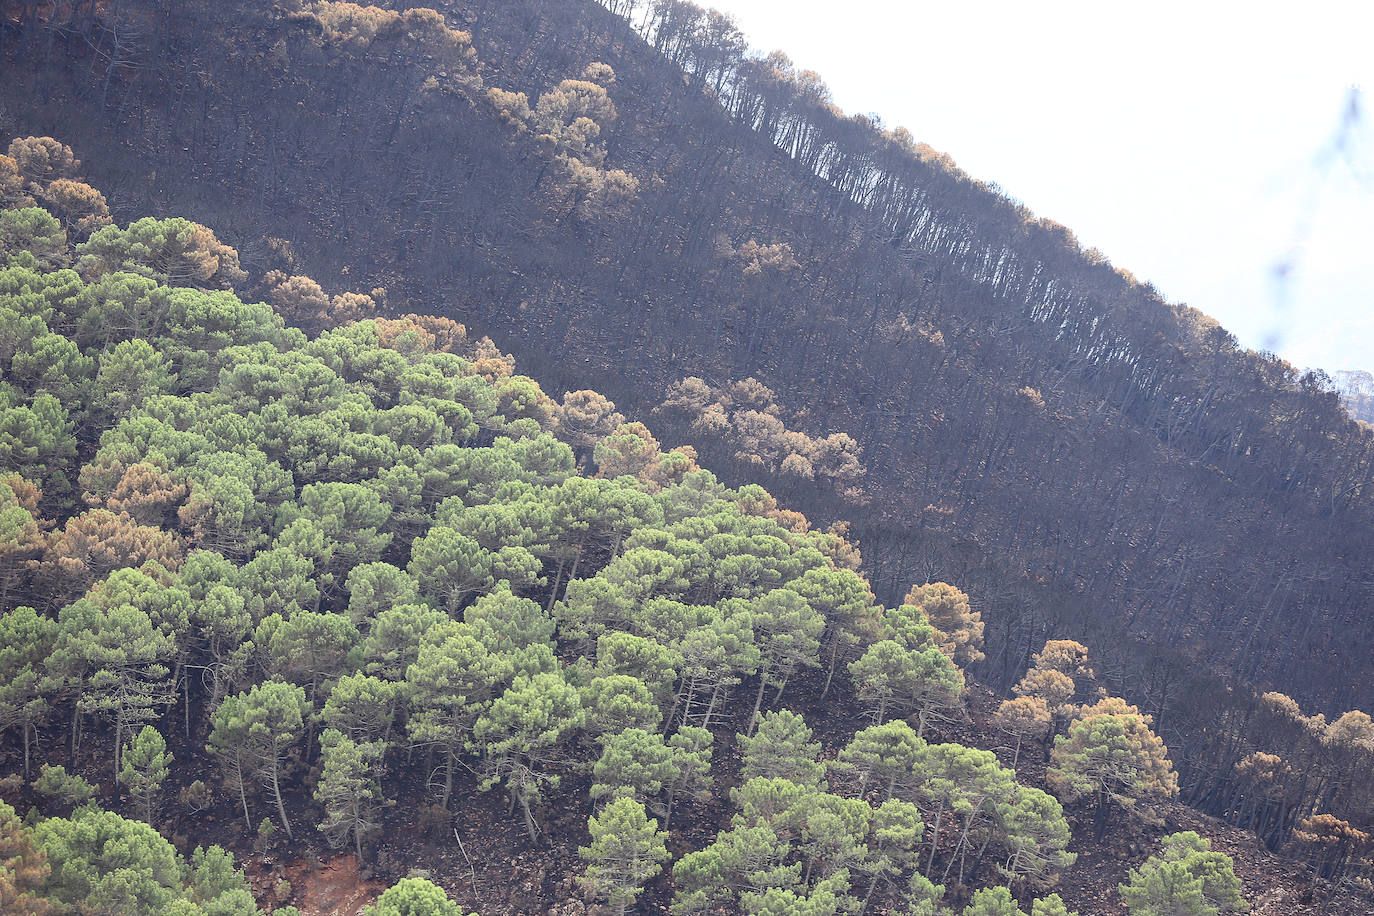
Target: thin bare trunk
[(529, 817), (243, 796), (829, 674), (758, 701), (281, 808), (557, 580), (186, 701), (935, 838), (117, 735), (872, 885), (961, 847), (448, 776)]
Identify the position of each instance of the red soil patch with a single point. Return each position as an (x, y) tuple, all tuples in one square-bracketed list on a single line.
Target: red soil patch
[(334, 887)]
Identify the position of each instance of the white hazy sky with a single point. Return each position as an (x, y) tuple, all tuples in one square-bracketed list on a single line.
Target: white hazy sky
[(1189, 141)]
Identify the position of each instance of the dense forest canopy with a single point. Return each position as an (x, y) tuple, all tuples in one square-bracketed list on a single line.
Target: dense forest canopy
[(984, 401), (327, 561), (301, 580), (327, 550)]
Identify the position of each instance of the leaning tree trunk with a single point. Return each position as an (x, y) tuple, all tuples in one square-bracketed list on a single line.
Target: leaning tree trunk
[(935, 838), (758, 702), (448, 775), (243, 795), (530, 827), (281, 808)]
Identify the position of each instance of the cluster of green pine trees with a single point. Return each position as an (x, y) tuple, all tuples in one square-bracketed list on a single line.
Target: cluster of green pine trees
[(347, 564)]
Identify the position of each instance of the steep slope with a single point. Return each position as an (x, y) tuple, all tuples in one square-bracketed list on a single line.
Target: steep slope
[(1022, 407), (353, 581), (359, 542)]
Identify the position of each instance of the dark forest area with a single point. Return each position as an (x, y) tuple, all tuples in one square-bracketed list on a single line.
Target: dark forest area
[(627, 200)]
